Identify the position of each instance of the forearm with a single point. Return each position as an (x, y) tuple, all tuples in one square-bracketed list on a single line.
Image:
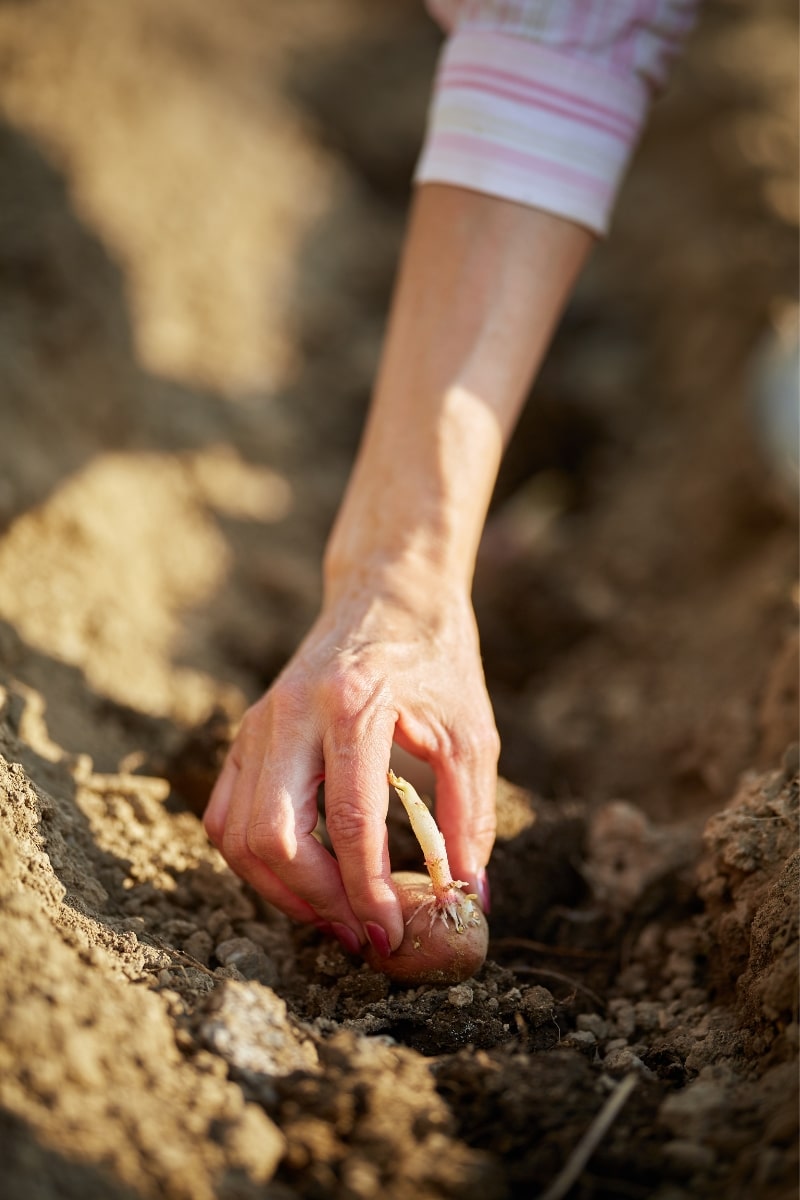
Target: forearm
[(481, 286), (393, 657)]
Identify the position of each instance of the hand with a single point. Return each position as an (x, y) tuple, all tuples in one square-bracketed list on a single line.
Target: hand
[(370, 671), (394, 654)]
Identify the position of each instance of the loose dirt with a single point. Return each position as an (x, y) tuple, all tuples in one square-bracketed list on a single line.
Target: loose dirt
[(199, 221)]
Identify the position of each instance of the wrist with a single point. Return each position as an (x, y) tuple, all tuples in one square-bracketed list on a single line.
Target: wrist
[(408, 579)]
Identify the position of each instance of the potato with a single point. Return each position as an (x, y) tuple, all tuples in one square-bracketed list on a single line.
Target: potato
[(433, 950)]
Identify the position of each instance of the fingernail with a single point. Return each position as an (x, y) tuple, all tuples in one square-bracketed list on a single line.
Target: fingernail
[(484, 891), (346, 938), (378, 939)]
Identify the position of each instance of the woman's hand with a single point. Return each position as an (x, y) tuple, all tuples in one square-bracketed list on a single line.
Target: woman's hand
[(394, 654), (372, 670)]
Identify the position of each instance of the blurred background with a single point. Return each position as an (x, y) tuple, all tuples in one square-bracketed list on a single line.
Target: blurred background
[(200, 213)]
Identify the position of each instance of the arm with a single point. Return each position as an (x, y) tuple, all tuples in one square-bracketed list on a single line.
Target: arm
[(394, 653), (535, 113)]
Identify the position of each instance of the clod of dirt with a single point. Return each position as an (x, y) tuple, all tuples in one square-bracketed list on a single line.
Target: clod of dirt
[(749, 882), (248, 1026), (627, 855)]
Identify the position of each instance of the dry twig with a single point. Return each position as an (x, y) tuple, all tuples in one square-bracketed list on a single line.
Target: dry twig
[(591, 1140)]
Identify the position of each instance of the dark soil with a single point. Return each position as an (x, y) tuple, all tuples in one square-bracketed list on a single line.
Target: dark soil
[(199, 221)]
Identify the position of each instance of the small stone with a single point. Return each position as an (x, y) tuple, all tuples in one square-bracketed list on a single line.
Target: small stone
[(648, 1015), (248, 1025), (624, 1060), (623, 1016), (199, 945), (248, 958), (593, 1023), (219, 925), (581, 1039), (538, 1006), (617, 1043), (460, 996)]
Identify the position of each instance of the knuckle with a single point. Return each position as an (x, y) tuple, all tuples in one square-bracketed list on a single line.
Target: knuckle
[(233, 845), (347, 690), (268, 841), (479, 744), (340, 695), (277, 710), (359, 739), (248, 733), (349, 824)]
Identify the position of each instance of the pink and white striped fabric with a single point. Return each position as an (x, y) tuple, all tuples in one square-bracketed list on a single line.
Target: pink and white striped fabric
[(542, 101)]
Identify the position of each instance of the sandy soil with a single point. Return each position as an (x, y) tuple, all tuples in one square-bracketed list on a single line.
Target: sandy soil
[(199, 220)]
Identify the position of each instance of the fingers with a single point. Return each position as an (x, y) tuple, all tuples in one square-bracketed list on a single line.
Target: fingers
[(466, 787), (267, 835), (279, 833), (262, 816), (356, 802), (230, 793), (334, 714)]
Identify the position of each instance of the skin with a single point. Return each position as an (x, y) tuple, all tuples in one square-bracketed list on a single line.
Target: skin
[(394, 653)]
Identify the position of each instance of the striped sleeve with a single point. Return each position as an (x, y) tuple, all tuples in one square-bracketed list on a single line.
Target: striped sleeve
[(543, 101)]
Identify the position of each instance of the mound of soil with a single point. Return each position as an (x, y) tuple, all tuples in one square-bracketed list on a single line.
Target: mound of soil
[(198, 229)]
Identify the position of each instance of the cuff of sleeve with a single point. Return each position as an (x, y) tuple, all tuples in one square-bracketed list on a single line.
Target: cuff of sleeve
[(512, 118)]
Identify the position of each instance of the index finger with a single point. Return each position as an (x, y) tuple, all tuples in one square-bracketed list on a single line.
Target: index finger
[(281, 819), (357, 754)]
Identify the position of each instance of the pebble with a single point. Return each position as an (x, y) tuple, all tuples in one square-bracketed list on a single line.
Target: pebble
[(460, 996), (581, 1039), (648, 1015), (248, 958), (623, 1016), (624, 1060), (592, 1023), (250, 1028), (617, 1043), (538, 1006), (199, 945)]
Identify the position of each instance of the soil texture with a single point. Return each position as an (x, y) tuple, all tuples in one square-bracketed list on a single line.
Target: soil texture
[(200, 217)]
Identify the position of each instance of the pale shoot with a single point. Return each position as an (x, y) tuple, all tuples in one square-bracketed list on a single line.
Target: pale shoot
[(449, 898)]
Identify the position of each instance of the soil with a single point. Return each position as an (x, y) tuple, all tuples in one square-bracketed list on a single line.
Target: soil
[(199, 221)]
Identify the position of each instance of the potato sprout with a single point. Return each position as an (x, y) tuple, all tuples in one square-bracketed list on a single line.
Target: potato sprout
[(446, 935)]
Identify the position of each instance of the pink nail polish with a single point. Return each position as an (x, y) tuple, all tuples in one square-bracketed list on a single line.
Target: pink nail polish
[(484, 891), (346, 938), (378, 939)]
